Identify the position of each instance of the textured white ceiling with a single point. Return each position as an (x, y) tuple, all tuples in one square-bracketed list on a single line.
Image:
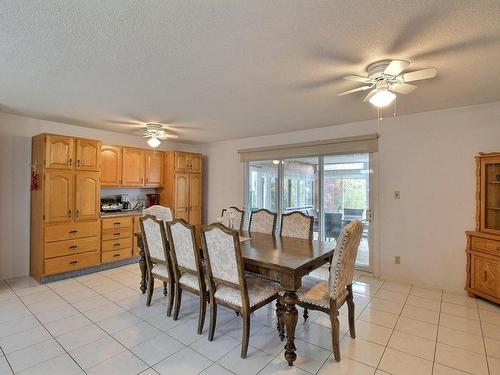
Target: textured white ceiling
[(229, 69)]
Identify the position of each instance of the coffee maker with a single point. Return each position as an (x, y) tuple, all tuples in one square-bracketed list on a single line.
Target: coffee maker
[(126, 205)]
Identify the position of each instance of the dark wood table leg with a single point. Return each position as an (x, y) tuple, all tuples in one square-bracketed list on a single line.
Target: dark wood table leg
[(142, 265), (290, 316)]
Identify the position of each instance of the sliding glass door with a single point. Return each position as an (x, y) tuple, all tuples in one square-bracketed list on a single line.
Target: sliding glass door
[(334, 189)]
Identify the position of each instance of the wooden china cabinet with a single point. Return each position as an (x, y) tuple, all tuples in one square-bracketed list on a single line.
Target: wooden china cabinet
[(483, 244)]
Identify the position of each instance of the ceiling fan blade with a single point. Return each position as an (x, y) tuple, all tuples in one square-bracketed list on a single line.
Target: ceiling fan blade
[(395, 67), (362, 88), (355, 77), (370, 94), (419, 75), (169, 136), (403, 88), (124, 122)]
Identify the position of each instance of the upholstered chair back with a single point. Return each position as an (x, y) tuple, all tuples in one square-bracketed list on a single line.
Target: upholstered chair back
[(344, 257), (162, 213), (263, 221), (182, 243), (236, 214), (296, 224), (153, 232), (222, 254)]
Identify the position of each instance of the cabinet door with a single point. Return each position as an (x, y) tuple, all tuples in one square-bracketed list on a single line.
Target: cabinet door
[(195, 198), (181, 161), (88, 155), (59, 152), (486, 275), (111, 166), (154, 163), (133, 166), (88, 189), (195, 163), (58, 204), (181, 196)]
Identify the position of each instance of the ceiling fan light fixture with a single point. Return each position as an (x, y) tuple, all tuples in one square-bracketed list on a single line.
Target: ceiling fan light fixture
[(154, 142), (382, 98)]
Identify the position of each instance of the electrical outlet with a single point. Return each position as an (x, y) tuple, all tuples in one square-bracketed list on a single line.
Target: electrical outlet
[(397, 259), (396, 194)]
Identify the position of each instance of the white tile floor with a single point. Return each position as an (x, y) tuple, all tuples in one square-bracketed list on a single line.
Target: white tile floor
[(99, 324)]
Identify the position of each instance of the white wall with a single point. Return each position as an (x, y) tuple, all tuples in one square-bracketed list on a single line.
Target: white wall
[(15, 158), (428, 157)]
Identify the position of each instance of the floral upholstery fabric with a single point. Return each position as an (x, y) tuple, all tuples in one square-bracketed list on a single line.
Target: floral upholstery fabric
[(344, 257), (162, 213), (183, 246), (316, 292), (258, 290), (237, 218), (222, 255), (296, 225), (189, 280), (153, 238), (160, 270), (262, 222)]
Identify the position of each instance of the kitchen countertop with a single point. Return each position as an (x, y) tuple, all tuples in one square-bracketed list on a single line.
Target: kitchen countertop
[(121, 213)]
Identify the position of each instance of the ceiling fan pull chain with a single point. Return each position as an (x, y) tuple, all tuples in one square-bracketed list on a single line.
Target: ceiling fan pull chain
[(395, 107)]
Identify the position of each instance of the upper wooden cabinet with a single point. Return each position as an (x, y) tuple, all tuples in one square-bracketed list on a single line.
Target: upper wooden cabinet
[(88, 155), (181, 161), (154, 168), (133, 160), (111, 166), (195, 163), (88, 189), (59, 151), (58, 198)]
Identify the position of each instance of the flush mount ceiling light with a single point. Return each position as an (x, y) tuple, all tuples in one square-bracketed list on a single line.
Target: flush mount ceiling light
[(386, 78), (154, 142)]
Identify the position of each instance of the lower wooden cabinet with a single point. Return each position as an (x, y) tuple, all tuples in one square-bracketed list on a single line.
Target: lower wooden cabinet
[(71, 263), (117, 238), (116, 255)]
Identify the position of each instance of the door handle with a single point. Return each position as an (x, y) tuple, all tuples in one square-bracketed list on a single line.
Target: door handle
[(116, 234), (73, 247), (78, 163), (77, 213), (73, 262), (73, 231), (116, 244), (116, 255), (69, 213), (70, 162)]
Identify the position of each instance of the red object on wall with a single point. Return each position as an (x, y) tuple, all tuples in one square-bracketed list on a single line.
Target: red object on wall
[(34, 180)]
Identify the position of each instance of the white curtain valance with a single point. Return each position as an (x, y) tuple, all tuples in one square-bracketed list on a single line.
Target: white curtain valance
[(348, 145)]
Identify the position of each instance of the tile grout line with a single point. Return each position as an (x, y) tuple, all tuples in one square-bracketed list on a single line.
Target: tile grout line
[(7, 360), (484, 341), (437, 335)]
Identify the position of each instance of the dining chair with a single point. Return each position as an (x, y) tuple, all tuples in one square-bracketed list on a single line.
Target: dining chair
[(187, 266), (263, 221), (233, 218), (158, 263), (296, 224), (227, 283), (161, 212), (329, 296)]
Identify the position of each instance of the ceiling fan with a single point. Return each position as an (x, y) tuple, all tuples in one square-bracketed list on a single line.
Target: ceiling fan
[(385, 79), (156, 133)]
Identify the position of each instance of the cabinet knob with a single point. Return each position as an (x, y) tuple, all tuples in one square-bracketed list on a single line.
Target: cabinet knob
[(77, 213), (73, 231), (73, 247), (73, 262), (116, 244), (116, 255), (70, 162), (78, 163)]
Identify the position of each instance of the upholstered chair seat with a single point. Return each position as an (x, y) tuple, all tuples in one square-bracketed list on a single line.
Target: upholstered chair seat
[(160, 270), (258, 290), (316, 292), (189, 280)]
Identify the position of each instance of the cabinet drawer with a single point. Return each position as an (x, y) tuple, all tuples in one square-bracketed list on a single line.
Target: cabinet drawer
[(486, 275), (114, 256), (70, 263), (116, 233), (121, 243), (72, 230), (480, 243), (117, 222), (70, 247)]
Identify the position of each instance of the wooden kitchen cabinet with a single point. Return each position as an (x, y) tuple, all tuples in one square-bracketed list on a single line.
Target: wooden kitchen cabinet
[(88, 190), (111, 166), (483, 244), (58, 197), (183, 185), (88, 155), (154, 167), (133, 160), (59, 152)]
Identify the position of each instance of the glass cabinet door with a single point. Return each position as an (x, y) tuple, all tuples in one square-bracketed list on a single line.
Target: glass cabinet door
[(491, 198)]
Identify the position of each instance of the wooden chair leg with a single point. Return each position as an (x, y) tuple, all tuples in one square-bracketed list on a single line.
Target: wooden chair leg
[(178, 300), (246, 335), (280, 308), (203, 309), (334, 313), (170, 298), (151, 286), (213, 319), (305, 315), (350, 311)]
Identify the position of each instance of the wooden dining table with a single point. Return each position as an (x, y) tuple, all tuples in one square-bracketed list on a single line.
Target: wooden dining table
[(285, 259)]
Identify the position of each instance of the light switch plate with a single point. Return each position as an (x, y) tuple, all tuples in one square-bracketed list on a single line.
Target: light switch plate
[(397, 259), (397, 195)]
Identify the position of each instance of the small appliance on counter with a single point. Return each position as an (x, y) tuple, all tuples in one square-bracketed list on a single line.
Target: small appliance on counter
[(126, 205), (152, 199), (110, 205)]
